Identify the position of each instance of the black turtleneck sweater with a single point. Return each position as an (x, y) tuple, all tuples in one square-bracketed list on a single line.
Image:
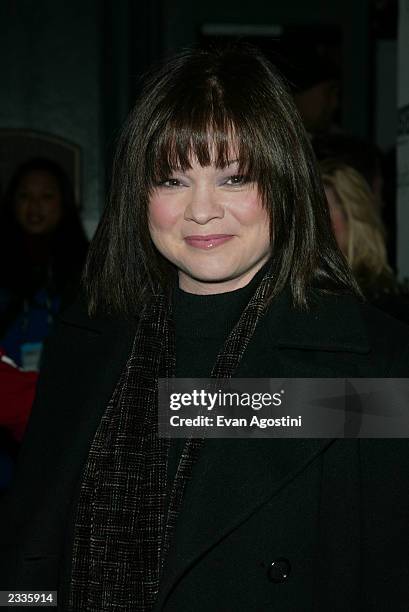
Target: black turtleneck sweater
[(202, 324)]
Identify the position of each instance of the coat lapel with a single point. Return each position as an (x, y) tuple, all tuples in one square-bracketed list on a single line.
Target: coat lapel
[(230, 481)]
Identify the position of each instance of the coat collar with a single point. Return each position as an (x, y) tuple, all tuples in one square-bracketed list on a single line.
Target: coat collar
[(331, 323), (76, 315)]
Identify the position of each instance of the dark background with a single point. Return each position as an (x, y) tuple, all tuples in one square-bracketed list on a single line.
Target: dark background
[(73, 68)]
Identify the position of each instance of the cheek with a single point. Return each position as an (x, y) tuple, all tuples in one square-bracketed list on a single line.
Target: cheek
[(338, 220), (53, 211), (21, 212), (161, 215), (250, 212), (340, 227), (53, 206)]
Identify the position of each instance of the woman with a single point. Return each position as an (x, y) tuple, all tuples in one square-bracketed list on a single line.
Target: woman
[(361, 236), (214, 256), (42, 234)]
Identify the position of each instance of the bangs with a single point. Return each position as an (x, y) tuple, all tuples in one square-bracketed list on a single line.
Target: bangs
[(208, 137)]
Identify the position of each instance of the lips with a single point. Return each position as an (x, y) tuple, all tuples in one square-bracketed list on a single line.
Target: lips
[(207, 242)]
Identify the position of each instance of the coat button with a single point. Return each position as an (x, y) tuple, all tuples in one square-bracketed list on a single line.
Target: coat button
[(279, 570)]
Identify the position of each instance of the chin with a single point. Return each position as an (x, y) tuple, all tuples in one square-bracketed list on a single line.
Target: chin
[(212, 275)]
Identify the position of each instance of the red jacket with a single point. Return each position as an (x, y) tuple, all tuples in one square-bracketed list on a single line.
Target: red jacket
[(17, 390)]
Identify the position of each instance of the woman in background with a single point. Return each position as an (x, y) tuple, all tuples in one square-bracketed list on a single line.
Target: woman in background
[(360, 235), (42, 235)]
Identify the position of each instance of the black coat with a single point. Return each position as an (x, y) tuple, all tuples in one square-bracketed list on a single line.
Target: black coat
[(285, 525)]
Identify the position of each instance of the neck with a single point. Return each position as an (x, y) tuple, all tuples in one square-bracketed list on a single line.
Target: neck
[(196, 286)]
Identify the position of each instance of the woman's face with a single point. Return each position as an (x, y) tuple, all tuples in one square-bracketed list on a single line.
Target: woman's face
[(210, 223), (338, 219), (38, 203)]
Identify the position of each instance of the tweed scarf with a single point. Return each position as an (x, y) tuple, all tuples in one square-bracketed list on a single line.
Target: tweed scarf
[(122, 529)]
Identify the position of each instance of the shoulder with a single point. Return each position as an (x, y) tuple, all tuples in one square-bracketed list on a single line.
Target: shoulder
[(82, 356), (76, 315), (339, 323), (388, 336), (81, 345), (394, 302)]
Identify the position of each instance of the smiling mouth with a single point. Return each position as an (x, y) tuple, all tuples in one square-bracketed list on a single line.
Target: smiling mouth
[(35, 218), (207, 242)]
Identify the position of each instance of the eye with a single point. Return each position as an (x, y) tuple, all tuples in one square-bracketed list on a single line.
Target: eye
[(169, 183), (237, 180)]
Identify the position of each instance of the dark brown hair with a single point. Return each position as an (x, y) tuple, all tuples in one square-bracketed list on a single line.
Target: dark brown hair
[(199, 104)]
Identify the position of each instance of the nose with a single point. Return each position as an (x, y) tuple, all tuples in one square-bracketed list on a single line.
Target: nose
[(203, 205)]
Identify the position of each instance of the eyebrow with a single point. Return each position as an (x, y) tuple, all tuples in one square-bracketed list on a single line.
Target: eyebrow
[(229, 163), (180, 170)]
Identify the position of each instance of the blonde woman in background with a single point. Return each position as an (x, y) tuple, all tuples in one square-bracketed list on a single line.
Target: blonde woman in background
[(360, 235)]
